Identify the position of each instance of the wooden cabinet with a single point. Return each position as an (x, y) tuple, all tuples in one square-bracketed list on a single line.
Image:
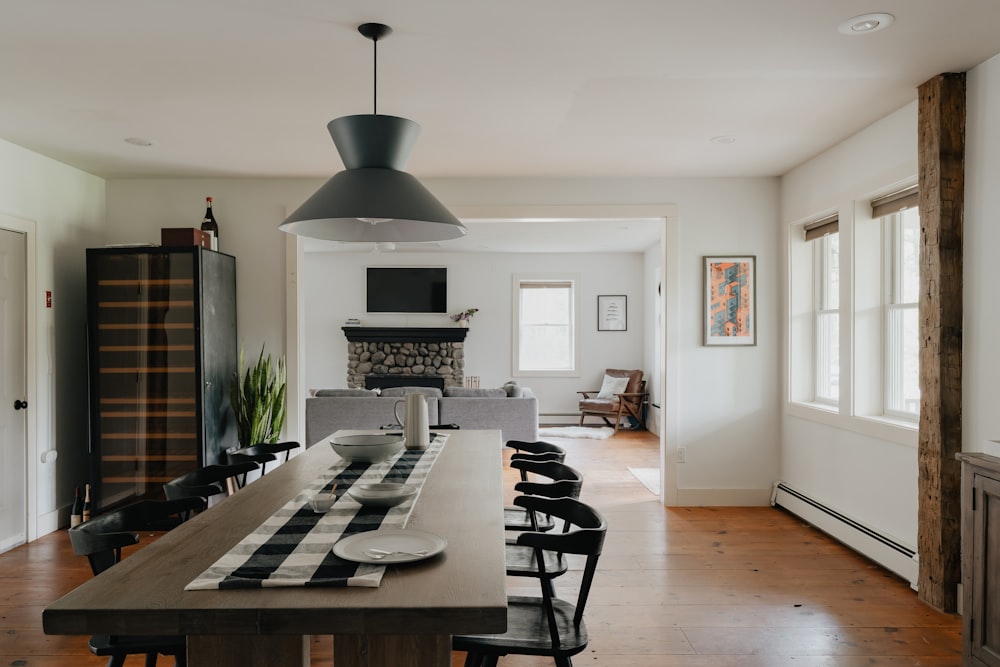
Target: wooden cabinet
[(980, 560), (163, 350)]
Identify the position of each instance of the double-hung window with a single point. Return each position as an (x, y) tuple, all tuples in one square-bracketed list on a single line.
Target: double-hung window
[(545, 330), (901, 384), (826, 309)]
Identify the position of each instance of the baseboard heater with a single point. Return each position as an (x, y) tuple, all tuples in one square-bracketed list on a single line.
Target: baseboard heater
[(884, 550)]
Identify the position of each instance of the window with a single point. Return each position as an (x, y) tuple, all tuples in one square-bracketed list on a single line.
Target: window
[(826, 282), (901, 389), (545, 333)]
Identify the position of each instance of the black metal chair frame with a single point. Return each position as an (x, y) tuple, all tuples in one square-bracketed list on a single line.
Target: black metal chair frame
[(207, 481), (262, 454), (545, 625), (538, 450), (101, 540), (566, 483)]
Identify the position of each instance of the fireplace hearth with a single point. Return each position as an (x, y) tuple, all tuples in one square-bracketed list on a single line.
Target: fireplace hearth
[(405, 356)]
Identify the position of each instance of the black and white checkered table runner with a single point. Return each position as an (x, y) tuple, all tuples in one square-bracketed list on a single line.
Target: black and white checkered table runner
[(294, 546)]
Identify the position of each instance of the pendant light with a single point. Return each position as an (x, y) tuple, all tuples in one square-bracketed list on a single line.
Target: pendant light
[(373, 199)]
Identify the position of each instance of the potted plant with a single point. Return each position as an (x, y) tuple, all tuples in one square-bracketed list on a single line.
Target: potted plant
[(463, 317), (258, 398)]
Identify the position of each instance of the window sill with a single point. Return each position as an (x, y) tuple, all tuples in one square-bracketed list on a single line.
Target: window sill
[(882, 428)]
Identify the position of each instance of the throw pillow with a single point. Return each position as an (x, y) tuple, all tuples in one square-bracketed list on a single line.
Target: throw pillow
[(612, 386), (513, 389)]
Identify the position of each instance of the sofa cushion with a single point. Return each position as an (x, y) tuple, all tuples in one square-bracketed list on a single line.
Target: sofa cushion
[(466, 392), (359, 393), (432, 392)]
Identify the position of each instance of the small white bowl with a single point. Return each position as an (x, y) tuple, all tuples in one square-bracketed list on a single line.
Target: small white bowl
[(366, 448), (322, 502), (383, 494)]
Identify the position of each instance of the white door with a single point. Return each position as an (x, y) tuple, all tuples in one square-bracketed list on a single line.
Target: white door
[(13, 438)]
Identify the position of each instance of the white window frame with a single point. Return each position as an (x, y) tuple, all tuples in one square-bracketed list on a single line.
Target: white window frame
[(827, 306), (894, 308), (574, 282)]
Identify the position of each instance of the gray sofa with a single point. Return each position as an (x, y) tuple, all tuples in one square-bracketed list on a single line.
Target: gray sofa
[(512, 409)]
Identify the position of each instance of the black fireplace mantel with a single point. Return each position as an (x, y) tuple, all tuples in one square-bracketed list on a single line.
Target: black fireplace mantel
[(405, 334)]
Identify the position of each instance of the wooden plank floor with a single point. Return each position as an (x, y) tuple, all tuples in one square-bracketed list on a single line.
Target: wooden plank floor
[(688, 587)]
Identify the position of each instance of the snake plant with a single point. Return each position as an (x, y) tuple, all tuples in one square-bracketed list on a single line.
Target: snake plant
[(258, 398)]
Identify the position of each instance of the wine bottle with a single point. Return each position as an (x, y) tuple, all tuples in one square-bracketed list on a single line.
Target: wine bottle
[(85, 514), (209, 224), (76, 514)]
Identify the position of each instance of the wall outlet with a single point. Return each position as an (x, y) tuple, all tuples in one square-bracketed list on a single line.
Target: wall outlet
[(681, 454)]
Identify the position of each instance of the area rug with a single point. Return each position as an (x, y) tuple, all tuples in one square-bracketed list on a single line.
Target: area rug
[(650, 478), (600, 433)]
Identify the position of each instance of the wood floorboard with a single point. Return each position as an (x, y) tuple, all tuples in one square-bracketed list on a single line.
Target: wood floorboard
[(676, 587)]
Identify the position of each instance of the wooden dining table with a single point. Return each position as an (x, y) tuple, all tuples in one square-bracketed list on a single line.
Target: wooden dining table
[(407, 621)]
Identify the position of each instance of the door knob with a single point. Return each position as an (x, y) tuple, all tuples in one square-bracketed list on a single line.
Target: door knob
[(20, 405)]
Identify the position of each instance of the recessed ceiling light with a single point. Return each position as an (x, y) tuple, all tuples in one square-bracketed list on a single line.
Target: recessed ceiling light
[(723, 139), (866, 23), (140, 141)]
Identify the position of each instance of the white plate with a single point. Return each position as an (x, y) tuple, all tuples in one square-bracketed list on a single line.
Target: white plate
[(358, 547), (383, 494)]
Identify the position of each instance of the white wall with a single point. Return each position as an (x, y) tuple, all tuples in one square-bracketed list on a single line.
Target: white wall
[(727, 411), (833, 458), (981, 365), (334, 284), (65, 209)]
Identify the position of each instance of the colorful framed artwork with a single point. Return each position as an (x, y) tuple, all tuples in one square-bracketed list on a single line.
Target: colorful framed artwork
[(731, 300), (612, 312)]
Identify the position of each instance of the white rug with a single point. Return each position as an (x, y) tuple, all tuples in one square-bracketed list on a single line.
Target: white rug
[(650, 478), (599, 433)]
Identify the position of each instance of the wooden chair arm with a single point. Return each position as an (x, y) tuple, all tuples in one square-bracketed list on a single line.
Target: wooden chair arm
[(633, 394), (586, 394)]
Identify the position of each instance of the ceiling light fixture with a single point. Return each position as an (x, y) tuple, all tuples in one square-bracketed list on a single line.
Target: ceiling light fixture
[(373, 200), (866, 23)]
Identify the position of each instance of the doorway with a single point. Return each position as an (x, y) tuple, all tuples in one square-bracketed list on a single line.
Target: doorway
[(13, 389)]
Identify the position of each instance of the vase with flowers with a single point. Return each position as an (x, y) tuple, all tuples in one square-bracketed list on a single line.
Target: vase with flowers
[(463, 317)]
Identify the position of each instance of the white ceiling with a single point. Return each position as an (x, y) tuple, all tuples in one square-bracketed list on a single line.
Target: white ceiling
[(630, 88)]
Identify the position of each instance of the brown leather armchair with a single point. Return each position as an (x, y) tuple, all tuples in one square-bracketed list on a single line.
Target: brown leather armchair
[(628, 403)]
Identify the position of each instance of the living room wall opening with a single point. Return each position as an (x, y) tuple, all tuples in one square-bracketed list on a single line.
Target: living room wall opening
[(660, 291)]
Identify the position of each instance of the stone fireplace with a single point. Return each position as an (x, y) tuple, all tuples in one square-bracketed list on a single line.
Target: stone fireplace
[(398, 356)]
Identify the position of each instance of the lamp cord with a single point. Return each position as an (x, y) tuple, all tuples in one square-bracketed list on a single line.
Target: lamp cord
[(375, 76)]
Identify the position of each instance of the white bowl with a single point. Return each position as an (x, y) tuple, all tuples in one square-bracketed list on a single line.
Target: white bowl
[(322, 502), (366, 448), (383, 494)]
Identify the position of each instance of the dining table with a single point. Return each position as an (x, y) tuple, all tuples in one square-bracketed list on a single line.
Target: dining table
[(406, 619)]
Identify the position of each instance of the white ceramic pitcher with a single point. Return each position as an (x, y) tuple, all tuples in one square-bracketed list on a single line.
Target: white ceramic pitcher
[(416, 429)]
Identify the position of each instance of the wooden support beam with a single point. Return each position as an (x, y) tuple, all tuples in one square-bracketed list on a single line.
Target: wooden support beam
[(941, 157)]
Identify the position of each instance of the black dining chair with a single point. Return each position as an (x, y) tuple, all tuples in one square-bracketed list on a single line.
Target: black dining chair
[(261, 454), (546, 625), (101, 540), (208, 481), (564, 482), (539, 450)]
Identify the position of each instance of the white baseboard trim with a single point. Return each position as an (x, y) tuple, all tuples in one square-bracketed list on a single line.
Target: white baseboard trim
[(885, 550), (723, 497)]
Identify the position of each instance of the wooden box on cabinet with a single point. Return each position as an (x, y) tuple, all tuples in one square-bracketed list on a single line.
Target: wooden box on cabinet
[(980, 560), (162, 353)]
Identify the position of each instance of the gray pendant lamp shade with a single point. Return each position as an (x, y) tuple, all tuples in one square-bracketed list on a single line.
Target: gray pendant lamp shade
[(373, 199)]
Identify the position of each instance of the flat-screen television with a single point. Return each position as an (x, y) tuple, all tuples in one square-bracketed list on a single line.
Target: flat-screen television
[(407, 289)]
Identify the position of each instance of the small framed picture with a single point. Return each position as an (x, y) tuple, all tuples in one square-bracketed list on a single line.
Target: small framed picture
[(731, 300), (612, 312)]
